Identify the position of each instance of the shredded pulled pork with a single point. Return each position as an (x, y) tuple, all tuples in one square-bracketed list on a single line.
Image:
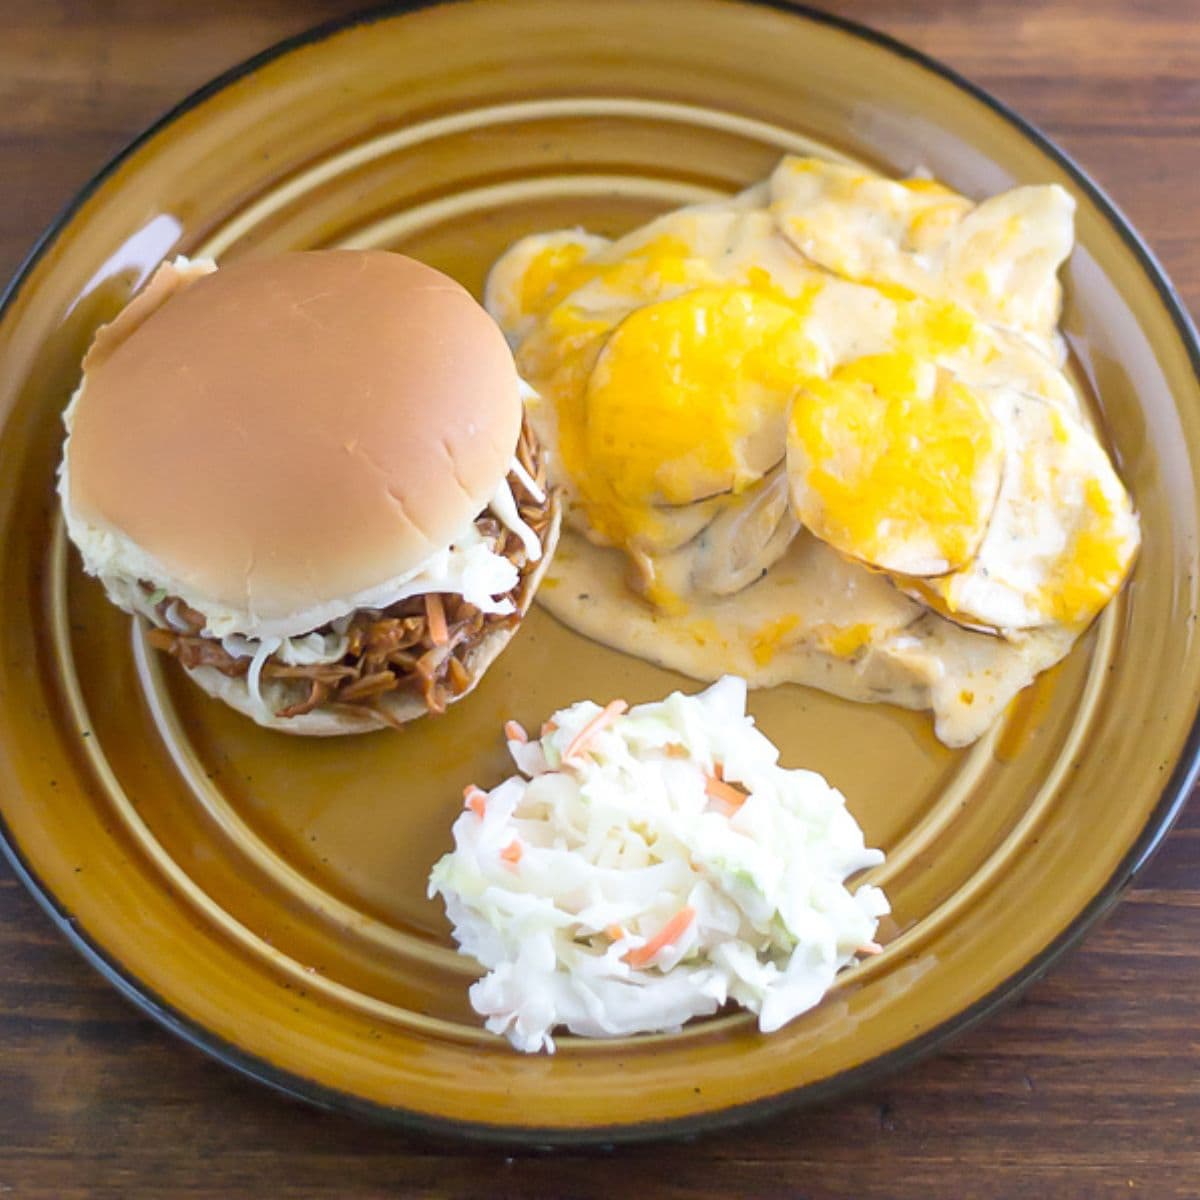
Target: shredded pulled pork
[(420, 645)]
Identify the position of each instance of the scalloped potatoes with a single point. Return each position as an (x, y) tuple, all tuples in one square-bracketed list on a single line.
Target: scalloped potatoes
[(826, 427)]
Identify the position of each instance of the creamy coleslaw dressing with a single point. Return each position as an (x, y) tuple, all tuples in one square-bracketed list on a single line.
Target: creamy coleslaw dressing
[(646, 867)]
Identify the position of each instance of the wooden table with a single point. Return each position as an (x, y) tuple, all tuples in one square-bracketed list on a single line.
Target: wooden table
[(1088, 1087)]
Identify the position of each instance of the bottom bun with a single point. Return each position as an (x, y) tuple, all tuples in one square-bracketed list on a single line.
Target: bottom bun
[(333, 720)]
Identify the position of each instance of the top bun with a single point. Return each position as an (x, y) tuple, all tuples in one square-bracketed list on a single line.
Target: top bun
[(275, 439)]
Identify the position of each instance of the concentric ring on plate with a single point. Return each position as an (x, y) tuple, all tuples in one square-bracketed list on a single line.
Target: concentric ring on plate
[(302, 850)]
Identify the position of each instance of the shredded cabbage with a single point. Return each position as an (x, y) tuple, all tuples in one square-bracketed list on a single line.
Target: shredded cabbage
[(664, 867), (504, 505), (308, 650), (469, 567), (266, 648)]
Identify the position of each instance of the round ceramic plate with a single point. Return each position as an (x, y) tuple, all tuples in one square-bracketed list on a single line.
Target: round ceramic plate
[(265, 896)]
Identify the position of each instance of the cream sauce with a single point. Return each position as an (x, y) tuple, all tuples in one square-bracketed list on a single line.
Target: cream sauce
[(816, 619), (870, 267)]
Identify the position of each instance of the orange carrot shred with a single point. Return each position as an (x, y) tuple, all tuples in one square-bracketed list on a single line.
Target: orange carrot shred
[(549, 727), (605, 717), (870, 948), (475, 799), (512, 853), (435, 614), (614, 932), (675, 750), (726, 793), (515, 732), (668, 935)]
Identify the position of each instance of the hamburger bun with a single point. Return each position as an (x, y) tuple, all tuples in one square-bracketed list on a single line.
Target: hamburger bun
[(188, 467), (281, 444)]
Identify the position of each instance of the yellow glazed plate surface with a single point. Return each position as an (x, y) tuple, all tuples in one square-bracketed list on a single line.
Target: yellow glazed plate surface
[(264, 896)]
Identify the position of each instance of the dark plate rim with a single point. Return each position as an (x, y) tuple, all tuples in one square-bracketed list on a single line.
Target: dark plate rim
[(1171, 803)]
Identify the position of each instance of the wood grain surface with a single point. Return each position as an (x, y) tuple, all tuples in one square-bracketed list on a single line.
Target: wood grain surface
[(1088, 1087)]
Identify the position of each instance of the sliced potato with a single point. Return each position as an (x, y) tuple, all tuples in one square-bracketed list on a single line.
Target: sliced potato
[(999, 258), (689, 397), (896, 464), (1063, 535), (742, 538)]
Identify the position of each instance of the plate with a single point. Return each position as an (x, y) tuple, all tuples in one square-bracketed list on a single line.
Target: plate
[(264, 896)]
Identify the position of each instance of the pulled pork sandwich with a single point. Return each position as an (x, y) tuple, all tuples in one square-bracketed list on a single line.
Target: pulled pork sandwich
[(312, 476)]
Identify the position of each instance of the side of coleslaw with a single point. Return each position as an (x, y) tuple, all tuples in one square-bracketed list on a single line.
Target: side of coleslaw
[(647, 866)]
